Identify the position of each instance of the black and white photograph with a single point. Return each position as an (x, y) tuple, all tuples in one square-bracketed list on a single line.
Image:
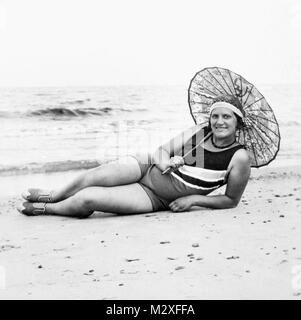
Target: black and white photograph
[(150, 150)]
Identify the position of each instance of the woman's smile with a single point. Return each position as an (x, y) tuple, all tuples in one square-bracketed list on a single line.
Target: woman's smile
[(223, 122)]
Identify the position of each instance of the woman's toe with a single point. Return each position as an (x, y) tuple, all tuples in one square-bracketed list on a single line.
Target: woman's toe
[(25, 195), (21, 207)]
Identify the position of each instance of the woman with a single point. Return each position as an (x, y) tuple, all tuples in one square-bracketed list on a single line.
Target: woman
[(202, 159)]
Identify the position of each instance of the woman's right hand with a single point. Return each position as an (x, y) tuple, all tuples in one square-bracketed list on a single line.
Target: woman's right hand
[(174, 163)]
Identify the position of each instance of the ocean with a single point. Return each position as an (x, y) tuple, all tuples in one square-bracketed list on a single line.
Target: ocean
[(67, 128)]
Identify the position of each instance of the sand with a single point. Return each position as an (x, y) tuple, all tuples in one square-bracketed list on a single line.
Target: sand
[(250, 252)]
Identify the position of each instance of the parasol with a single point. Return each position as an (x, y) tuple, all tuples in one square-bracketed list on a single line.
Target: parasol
[(260, 131)]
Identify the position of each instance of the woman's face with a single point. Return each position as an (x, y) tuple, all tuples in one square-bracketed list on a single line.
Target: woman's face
[(223, 122)]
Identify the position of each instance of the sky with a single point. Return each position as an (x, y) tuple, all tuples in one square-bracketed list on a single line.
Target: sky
[(140, 42)]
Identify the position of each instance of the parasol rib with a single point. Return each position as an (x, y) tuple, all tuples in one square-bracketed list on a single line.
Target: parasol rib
[(200, 94), (262, 151), (266, 127), (265, 135), (218, 82), (253, 103), (265, 110), (211, 85), (225, 81), (263, 142), (258, 127), (241, 89), (257, 116), (254, 153), (248, 95), (204, 89), (231, 81), (194, 103)]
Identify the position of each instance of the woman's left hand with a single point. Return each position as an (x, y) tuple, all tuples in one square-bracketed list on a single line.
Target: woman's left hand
[(181, 204)]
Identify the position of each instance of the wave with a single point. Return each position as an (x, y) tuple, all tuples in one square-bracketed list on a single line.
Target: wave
[(133, 110), (70, 112), (65, 112), (48, 167), (75, 102)]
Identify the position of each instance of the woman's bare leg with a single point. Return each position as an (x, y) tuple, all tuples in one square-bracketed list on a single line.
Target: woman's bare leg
[(123, 171), (125, 199)]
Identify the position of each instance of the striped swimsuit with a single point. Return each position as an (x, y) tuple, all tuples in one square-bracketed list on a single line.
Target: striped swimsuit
[(203, 172)]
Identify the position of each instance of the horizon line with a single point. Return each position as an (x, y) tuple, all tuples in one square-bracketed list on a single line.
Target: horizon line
[(127, 85)]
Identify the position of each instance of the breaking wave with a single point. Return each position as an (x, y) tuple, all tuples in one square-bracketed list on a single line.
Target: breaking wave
[(70, 112)]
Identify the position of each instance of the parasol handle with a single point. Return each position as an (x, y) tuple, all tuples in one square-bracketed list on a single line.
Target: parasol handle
[(170, 169)]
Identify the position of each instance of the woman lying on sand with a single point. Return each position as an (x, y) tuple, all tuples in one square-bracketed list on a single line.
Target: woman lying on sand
[(136, 184)]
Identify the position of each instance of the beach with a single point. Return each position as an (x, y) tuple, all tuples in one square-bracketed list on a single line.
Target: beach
[(50, 135), (249, 252)]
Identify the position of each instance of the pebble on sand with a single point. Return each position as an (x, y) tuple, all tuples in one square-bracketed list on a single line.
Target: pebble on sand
[(179, 268), (131, 260)]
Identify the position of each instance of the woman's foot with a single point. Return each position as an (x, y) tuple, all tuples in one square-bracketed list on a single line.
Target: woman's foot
[(38, 195), (32, 209)]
